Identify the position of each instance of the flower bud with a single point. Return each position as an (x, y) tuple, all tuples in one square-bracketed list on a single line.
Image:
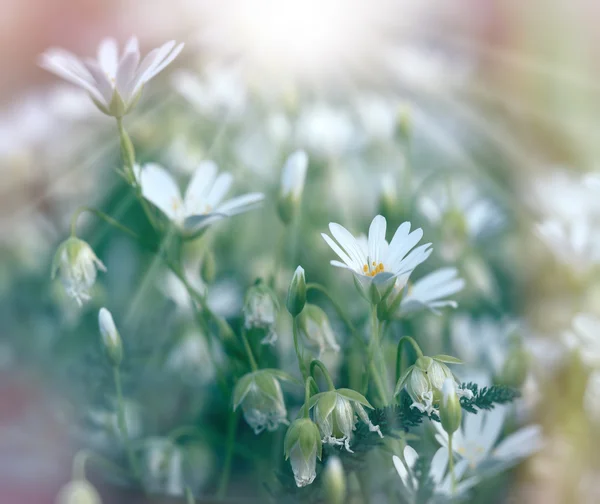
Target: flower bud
[(77, 265), (335, 481), (78, 492), (297, 292), (260, 311), (260, 396), (208, 268), (515, 369), (292, 185), (450, 409), (314, 325), (110, 337), (302, 445)]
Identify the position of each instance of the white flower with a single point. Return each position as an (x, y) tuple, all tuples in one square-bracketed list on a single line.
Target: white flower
[(260, 311), (437, 470), (476, 441), (377, 265), (260, 396), (302, 445), (429, 292), (293, 175), (585, 338), (190, 358), (78, 492), (314, 326), (114, 84), (203, 202), (110, 337), (77, 265), (163, 467)]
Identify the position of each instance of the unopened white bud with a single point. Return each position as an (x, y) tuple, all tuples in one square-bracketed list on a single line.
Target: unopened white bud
[(335, 481), (110, 337), (78, 492)]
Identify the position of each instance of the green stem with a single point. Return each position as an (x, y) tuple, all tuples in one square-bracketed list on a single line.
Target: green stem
[(451, 464), (251, 358), (317, 363), (226, 472), (105, 217), (405, 339), (301, 363), (123, 424), (189, 496), (279, 258), (127, 151), (310, 381), (376, 362)]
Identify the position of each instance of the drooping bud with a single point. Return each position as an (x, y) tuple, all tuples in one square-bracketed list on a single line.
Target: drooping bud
[(292, 185), (450, 409), (335, 481), (297, 292), (302, 445), (314, 326), (208, 268), (77, 265), (110, 337), (78, 491), (260, 396), (260, 311)]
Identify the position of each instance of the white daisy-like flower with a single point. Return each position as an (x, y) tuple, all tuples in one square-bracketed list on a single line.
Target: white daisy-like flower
[(114, 83), (442, 482), (429, 292), (202, 203), (477, 440), (377, 265)]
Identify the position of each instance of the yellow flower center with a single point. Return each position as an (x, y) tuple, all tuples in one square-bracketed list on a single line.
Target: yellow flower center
[(373, 269)]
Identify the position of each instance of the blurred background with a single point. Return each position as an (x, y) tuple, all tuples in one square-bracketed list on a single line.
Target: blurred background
[(475, 119)]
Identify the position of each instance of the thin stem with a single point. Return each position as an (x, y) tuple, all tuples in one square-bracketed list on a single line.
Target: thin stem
[(189, 496), (307, 393), (105, 217), (122, 422), (301, 363), (251, 359), (405, 339), (279, 258), (451, 464), (226, 472), (317, 363), (377, 368)]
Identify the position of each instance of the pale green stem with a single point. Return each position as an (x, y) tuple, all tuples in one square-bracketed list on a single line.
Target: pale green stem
[(376, 362), (310, 381), (251, 358), (317, 363), (105, 217), (405, 339), (451, 464), (123, 423), (301, 363)]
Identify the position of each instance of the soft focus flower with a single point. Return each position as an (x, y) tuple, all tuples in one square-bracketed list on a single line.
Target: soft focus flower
[(476, 441), (114, 84), (450, 408), (78, 492), (335, 481), (77, 265), (292, 185), (437, 470), (591, 398), (429, 292), (191, 359), (260, 396), (110, 337), (377, 265), (202, 204), (585, 338), (296, 298), (260, 311), (302, 445), (162, 470), (325, 130), (314, 326), (104, 428), (335, 413)]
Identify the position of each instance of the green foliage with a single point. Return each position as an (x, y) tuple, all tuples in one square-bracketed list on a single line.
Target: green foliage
[(487, 397)]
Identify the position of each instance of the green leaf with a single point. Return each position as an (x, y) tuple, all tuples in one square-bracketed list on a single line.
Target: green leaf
[(353, 395), (448, 359), (282, 375), (241, 389), (402, 380), (268, 385), (325, 405), (313, 400)]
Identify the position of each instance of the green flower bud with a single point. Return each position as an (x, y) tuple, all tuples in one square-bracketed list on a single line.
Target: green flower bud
[(314, 326), (110, 337), (335, 481), (297, 293), (302, 445), (260, 311), (77, 265), (208, 268), (450, 409), (78, 492)]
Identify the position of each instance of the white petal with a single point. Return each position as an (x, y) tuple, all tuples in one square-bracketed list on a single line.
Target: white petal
[(402, 472), (376, 239), (219, 189), (103, 84), (108, 56), (127, 69), (200, 186), (241, 204), (521, 444), (438, 465), (341, 254), (159, 188), (349, 244)]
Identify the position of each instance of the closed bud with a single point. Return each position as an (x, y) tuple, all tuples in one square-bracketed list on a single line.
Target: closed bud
[(314, 326), (260, 311), (208, 268), (77, 265), (292, 185), (335, 481), (110, 337), (450, 409), (297, 292), (78, 492), (302, 445)]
